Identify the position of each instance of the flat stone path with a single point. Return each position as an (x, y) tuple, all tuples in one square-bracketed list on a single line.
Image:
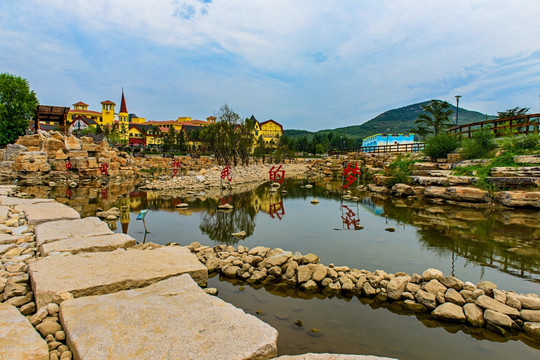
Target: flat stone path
[(18, 338), (171, 319), (107, 272), (312, 356), (67, 229), (79, 244), (43, 212)]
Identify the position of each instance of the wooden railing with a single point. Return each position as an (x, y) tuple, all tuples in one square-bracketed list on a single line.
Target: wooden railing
[(390, 148), (525, 124)]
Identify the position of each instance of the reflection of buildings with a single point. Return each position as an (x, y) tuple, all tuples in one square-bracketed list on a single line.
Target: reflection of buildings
[(124, 213), (269, 202)]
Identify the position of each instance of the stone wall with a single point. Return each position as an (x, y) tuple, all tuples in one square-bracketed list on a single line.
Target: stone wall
[(446, 298)]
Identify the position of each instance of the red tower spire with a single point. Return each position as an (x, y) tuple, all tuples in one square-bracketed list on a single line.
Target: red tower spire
[(123, 107)]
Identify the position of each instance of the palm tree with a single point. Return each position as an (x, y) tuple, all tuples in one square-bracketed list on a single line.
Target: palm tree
[(435, 119)]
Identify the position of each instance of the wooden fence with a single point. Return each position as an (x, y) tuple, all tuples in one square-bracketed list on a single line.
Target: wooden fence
[(525, 124)]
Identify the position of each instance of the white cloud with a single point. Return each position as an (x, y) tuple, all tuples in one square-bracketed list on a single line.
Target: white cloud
[(296, 60)]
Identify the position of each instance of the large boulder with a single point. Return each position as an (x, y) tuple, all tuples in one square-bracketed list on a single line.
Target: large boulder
[(396, 286), (449, 311)]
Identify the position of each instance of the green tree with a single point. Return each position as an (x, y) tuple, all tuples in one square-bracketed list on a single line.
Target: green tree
[(18, 105), (517, 111), (435, 119)]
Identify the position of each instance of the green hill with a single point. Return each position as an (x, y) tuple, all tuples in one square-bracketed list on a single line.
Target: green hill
[(395, 121)]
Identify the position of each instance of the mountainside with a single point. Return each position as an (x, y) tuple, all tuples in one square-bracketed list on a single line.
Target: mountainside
[(399, 120)]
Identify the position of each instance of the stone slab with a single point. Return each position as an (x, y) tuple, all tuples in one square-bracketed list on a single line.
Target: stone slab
[(65, 229), (6, 247), (3, 213), (107, 272), (18, 338), (7, 189), (171, 319), (39, 213), (312, 356), (89, 244), (7, 201)]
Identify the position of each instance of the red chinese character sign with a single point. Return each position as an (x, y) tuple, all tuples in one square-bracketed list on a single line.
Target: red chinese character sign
[(68, 165), (175, 167), (350, 219), (351, 174), (277, 174), (226, 173), (104, 169)]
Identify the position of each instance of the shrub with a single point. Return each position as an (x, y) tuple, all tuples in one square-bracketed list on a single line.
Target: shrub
[(440, 145), (521, 143), (400, 171), (481, 144)]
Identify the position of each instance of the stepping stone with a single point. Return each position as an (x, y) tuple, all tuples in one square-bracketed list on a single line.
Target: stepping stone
[(171, 319), (107, 272), (18, 338), (39, 213), (6, 201), (11, 239), (3, 213), (7, 189), (77, 245), (312, 356), (66, 229)]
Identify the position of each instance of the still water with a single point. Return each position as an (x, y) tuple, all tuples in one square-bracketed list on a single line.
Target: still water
[(471, 244)]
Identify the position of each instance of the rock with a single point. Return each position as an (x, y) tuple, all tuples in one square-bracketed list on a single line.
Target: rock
[(449, 311), (474, 314), (18, 338), (314, 201), (39, 316), (512, 300), (276, 260), (396, 287), (320, 273), (434, 287), (48, 328), (368, 289), (197, 326), (532, 329), (239, 235), (427, 299), (28, 308), (488, 303), (499, 295), (310, 285), (453, 296), (182, 205), (53, 309), (430, 274), (498, 318), (529, 302), (231, 271), (310, 259), (530, 315), (100, 273), (60, 335), (487, 286), (304, 273), (452, 282), (66, 355), (519, 198)]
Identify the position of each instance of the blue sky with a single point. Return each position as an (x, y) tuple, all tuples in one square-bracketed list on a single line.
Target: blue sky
[(306, 64)]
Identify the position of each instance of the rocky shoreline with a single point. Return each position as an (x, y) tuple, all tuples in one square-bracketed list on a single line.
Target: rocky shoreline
[(445, 298)]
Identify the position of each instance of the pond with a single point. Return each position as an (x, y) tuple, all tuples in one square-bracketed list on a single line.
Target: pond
[(397, 235)]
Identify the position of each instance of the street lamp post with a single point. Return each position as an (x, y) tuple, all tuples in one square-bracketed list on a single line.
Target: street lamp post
[(457, 108)]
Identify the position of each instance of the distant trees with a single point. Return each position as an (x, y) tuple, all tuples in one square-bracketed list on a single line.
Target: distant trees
[(434, 120), (18, 106), (230, 139)]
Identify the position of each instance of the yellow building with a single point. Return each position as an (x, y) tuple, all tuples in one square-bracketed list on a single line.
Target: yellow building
[(81, 109), (271, 131)]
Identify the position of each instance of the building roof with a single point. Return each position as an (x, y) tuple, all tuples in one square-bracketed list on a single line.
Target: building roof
[(275, 122), (84, 112), (123, 107), (84, 119), (108, 102), (80, 103)]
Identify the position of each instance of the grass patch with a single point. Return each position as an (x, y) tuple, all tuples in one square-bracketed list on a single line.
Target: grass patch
[(400, 170)]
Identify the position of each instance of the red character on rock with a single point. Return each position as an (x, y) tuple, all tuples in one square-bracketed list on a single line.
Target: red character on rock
[(351, 174), (104, 169), (277, 174)]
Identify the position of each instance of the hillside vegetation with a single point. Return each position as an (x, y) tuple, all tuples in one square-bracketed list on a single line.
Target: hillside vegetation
[(399, 120)]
